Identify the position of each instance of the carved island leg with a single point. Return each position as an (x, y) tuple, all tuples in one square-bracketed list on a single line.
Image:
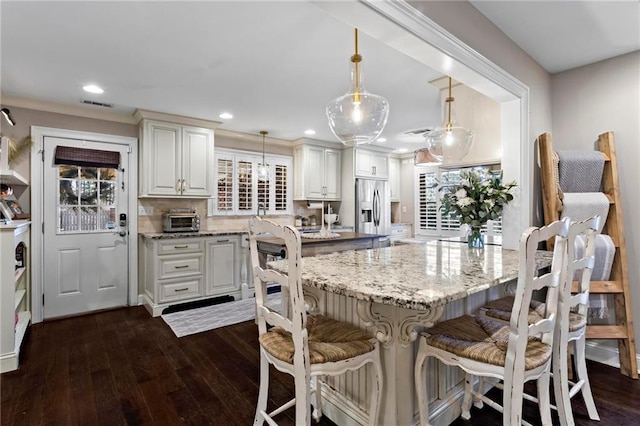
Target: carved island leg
[(397, 329)]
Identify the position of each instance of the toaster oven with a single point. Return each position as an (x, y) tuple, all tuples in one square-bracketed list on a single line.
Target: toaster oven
[(181, 221)]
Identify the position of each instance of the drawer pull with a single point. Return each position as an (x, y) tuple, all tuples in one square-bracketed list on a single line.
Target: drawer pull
[(181, 289), (222, 241), (181, 266), (181, 247)]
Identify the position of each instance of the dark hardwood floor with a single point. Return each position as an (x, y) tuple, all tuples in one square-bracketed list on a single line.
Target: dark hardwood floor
[(124, 367)]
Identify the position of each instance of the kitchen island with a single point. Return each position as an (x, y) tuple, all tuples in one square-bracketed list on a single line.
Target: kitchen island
[(395, 292), (315, 246)]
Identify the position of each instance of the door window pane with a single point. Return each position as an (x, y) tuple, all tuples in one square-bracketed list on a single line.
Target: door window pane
[(88, 199)]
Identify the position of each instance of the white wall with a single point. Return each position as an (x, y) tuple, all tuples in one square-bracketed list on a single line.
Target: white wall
[(466, 23), (594, 99)]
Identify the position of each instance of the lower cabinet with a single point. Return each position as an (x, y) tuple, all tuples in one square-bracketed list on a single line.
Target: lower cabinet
[(222, 265), (179, 270)]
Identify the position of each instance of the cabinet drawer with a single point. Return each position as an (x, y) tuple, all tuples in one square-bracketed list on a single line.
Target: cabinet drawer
[(400, 231), (180, 246), (177, 266), (178, 290)]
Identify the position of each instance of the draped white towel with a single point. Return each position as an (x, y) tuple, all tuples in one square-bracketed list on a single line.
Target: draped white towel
[(583, 205), (580, 170), (603, 261)]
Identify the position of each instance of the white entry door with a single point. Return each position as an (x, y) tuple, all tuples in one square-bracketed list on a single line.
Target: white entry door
[(85, 216)]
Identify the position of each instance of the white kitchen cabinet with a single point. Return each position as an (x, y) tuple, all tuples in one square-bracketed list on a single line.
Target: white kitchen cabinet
[(176, 157), (223, 265), (394, 178), (172, 270), (371, 164), (187, 269), (15, 293), (400, 230), (317, 173)]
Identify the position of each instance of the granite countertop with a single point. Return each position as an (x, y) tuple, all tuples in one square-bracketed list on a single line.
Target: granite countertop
[(175, 235), (412, 276)]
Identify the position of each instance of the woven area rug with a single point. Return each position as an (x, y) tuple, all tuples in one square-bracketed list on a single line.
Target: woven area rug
[(207, 318)]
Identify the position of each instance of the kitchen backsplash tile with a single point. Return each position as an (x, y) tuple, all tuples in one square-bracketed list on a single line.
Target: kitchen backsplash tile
[(153, 223)]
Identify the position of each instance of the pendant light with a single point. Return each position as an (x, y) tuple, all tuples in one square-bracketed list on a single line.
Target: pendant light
[(357, 117), (263, 169), (449, 142), (423, 157)]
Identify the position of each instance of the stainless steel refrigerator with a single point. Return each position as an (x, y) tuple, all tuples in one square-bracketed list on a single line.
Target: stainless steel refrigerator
[(373, 207)]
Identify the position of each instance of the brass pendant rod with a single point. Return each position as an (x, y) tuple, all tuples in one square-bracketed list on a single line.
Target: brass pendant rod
[(263, 133), (449, 102), (356, 59)]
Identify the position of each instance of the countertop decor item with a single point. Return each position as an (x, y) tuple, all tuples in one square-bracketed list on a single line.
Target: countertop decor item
[(357, 117), (478, 198)]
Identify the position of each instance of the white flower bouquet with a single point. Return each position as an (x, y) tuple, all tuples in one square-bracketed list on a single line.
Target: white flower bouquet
[(479, 197)]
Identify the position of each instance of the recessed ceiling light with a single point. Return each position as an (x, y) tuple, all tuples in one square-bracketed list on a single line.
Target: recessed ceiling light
[(309, 132), (92, 88), (226, 116), (402, 150), (381, 139)]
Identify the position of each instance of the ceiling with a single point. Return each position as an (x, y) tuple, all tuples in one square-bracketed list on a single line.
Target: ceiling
[(274, 65), (562, 35)]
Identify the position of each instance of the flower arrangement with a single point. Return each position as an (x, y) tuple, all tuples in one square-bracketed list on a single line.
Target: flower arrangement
[(479, 197)]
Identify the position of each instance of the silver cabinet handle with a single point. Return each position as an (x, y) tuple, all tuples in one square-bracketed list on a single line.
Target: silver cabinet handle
[(181, 247), (183, 182), (222, 241), (181, 289), (178, 185), (181, 266)]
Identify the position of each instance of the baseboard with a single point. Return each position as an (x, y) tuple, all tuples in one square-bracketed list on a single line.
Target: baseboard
[(599, 352)]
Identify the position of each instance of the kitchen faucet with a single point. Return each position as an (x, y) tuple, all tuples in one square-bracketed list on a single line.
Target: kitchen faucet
[(264, 209)]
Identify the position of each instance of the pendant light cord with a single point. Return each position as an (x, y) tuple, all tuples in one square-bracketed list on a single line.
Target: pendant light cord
[(263, 133)]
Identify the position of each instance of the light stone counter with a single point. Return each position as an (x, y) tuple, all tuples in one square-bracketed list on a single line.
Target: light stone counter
[(176, 235), (415, 276), (396, 292)]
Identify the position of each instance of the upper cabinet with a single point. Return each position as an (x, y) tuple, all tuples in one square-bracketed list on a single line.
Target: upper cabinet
[(176, 157), (318, 173), (371, 164), (394, 178)]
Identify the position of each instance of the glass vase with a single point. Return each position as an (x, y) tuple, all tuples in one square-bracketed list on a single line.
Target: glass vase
[(476, 239)]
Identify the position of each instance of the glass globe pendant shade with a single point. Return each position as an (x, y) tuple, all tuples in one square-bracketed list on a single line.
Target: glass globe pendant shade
[(449, 142), (263, 172), (357, 117)]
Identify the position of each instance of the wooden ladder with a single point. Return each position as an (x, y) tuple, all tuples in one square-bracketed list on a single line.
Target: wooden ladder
[(618, 283)]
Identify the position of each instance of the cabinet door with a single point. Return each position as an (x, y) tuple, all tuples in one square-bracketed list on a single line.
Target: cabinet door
[(197, 151), (223, 265), (314, 165), (394, 178), (163, 146), (332, 174), (364, 163), (380, 165)]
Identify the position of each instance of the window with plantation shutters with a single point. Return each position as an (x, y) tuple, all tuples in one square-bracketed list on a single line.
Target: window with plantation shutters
[(244, 177), (224, 184), (430, 219), (239, 189), (281, 186)]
